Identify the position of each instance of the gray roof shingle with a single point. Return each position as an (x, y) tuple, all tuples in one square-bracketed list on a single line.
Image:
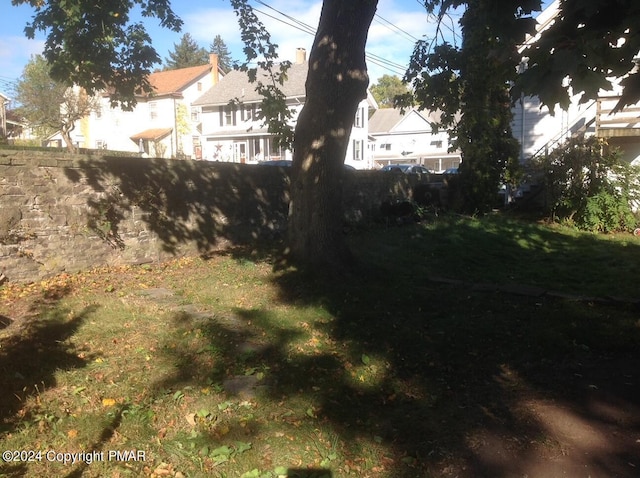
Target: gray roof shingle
[(235, 85), (385, 119)]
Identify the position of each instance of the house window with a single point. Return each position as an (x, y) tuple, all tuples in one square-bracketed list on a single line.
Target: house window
[(101, 144), (257, 150), (275, 151), (385, 147), (436, 144), (359, 121), (357, 149), (199, 86), (153, 110), (248, 112), (195, 114), (98, 111), (229, 116)]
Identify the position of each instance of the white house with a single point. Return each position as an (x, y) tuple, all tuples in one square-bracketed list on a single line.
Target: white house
[(409, 138), (162, 124), (232, 132), (539, 131)]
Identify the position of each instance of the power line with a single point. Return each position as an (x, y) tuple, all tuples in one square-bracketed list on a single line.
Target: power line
[(303, 26), (394, 28), (8, 85), (293, 22)]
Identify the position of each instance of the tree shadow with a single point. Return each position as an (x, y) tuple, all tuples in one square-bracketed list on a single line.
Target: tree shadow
[(451, 379), (309, 473), (39, 347), (105, 437), (30, 356), (480, 382), (183, 202), (475, 382)]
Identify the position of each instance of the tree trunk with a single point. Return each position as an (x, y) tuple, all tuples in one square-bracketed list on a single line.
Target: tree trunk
[(336, 83), (65, 132)]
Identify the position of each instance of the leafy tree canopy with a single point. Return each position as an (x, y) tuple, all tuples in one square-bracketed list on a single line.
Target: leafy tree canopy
[(97, 46), (50, 105), (589, 42), (219, 47), (386, 89), (185, 54), (469, 85), (40, 96)]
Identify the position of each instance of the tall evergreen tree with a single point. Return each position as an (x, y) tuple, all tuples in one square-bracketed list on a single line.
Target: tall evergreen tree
[(219, 47), (185, 54)]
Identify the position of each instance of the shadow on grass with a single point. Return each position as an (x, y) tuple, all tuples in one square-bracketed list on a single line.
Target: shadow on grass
[(309, 473), (483, 384), (499, 250), (29, 359), (104, 438), (449, 380), (468, 383)]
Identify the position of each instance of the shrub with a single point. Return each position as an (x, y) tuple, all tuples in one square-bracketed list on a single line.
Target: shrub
[(588, 186)]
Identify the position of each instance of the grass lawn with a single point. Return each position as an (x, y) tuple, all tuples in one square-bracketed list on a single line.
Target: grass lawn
[(419, 363)]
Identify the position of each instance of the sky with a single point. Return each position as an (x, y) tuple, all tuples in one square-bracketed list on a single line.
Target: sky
[(396, 28)]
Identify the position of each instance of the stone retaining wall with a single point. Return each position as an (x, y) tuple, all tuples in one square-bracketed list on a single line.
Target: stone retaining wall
[(62, 212)]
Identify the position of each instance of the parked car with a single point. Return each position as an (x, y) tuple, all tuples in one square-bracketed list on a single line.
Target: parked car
[(406, 168), (451, 171)]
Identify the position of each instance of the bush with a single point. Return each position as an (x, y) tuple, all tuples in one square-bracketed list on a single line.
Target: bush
[(589, 187)]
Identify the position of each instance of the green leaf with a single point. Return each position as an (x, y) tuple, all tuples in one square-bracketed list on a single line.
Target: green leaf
[(365, 359), (280, 470), (77, 390), (179, 395), (255, 473), (241, 447), (223, 451)]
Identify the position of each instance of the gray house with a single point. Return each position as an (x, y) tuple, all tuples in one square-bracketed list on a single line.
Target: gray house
[(230, 129)]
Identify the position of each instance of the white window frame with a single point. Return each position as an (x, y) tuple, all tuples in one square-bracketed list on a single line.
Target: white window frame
[(195, 114), (153, 110), (359, 120), (358, 153)]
